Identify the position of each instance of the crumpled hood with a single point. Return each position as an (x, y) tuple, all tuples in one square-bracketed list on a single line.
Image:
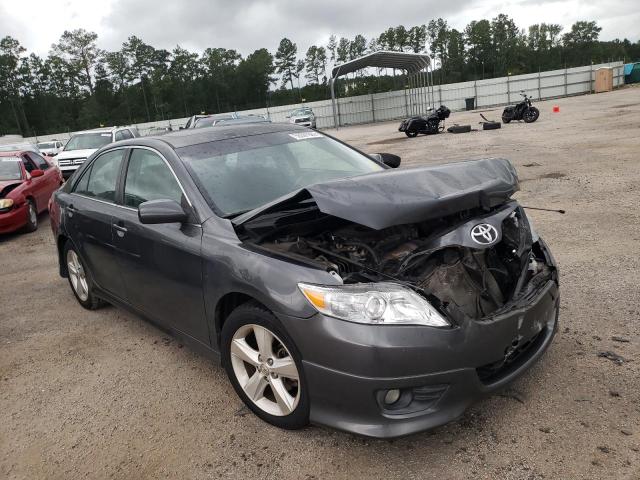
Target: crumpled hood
[(6, 184), (396, 197)]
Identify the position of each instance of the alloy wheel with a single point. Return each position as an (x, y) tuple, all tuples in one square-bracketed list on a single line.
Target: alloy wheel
[(265, 370), (77, 276)]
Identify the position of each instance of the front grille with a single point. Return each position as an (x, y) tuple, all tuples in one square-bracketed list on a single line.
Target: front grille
[(300, 120), (515, 354), (71, 161)]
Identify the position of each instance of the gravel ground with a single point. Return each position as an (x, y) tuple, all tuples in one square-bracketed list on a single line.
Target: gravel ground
[(106, 395)]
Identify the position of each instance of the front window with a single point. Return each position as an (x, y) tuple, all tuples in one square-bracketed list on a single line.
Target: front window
[(10, 168), (149, 178), (88, 141), (238, 175)]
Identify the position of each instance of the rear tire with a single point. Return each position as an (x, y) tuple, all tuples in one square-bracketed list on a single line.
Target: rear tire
[(459, 129), (80, 279), (268, 386), (32, 217), (505, 118), (491, 125), (531, 115), (411, 133)]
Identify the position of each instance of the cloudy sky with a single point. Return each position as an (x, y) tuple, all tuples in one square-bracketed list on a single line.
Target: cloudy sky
[(249, 24)]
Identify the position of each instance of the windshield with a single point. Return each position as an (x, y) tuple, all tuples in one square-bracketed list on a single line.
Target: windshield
[(240, 174), (10, 168), (86, 141), (43, 145), (301, 111)]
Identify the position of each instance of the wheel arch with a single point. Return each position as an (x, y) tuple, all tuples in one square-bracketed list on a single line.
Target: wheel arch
[(61, 241), (227, 304)]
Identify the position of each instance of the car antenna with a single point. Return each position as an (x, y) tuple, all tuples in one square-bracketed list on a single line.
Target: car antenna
[(545, 209)]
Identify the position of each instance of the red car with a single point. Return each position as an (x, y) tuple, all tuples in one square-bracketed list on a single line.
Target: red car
[(27, 181)]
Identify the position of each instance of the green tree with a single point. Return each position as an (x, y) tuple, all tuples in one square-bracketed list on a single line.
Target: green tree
[(343, 50), (286, 62), (358, 47), (331, 47), (477, 37), (10, 53), (417, 38), (79, 49)]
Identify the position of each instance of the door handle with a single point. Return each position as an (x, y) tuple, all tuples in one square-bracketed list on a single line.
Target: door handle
[(120, 230), (70, 211)]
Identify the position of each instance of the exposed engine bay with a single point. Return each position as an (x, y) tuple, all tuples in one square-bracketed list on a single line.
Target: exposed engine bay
[(437, 258)]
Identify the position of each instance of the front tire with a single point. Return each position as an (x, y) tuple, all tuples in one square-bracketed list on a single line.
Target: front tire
[(265, 367), (80, 279), (531, 115), (32, 217)]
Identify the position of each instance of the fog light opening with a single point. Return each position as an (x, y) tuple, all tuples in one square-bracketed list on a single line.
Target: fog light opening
[(392, 396)]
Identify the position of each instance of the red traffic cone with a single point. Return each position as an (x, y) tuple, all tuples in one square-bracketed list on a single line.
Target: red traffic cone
[(556, 109)]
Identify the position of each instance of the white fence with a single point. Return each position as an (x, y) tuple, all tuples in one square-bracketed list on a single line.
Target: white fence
[(396, 104)]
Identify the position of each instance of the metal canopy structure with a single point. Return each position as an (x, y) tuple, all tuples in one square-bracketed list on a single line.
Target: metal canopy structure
[(416, 67)]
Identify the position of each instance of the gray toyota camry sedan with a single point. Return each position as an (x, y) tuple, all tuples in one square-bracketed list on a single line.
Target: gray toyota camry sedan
[(333, 288)]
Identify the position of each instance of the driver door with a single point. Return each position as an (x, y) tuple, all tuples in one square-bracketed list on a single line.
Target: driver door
[(160, 264)]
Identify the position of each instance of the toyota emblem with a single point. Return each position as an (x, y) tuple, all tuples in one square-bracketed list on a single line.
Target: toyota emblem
[(484, 234)]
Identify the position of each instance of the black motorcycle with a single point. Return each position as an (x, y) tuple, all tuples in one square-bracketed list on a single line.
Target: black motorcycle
[(521, 111), (428, 125)]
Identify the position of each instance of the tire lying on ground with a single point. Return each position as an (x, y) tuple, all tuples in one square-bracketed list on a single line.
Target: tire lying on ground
[(491, 125), (459, 129)]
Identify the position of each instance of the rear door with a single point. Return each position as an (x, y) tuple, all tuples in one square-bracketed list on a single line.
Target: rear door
[(160, 264), (89, 217)]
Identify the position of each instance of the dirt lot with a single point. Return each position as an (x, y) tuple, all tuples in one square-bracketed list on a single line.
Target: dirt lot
[(105, 395)]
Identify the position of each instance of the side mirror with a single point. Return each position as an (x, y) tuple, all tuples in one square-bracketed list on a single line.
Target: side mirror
[(389, 159), (161, 211), (36, 173)]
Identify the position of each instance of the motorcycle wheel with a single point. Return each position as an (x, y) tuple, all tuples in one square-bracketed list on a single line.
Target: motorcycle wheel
[(411, 133), (531, 115), (505, 118)]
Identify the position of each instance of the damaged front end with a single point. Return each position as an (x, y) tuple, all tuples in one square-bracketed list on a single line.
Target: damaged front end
[(480, 261)]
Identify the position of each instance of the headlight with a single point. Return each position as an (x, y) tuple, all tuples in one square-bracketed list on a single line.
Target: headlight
[(6, 204), (374, 303)]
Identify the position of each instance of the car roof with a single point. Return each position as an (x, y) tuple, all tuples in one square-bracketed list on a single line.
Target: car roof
[(101, 130), (14, 153), (195, 136)]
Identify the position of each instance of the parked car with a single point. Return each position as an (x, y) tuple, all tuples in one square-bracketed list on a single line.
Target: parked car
[(83, 144), (216, 122), (27, 180), (20, 147), (192, 122), (303, 116), (333, 288), (211, 120), (51, 148)]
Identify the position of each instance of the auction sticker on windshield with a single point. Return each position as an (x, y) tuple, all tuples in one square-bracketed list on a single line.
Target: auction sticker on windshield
[(305, 135)]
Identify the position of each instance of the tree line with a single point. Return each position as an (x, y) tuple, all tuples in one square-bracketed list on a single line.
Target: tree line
[(79, 86)]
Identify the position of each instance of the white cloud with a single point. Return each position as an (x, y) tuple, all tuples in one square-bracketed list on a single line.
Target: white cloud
[(251, 24)]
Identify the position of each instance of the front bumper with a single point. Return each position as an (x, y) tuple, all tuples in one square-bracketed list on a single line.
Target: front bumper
[(14, 219), (68, 171), (349, 366)]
